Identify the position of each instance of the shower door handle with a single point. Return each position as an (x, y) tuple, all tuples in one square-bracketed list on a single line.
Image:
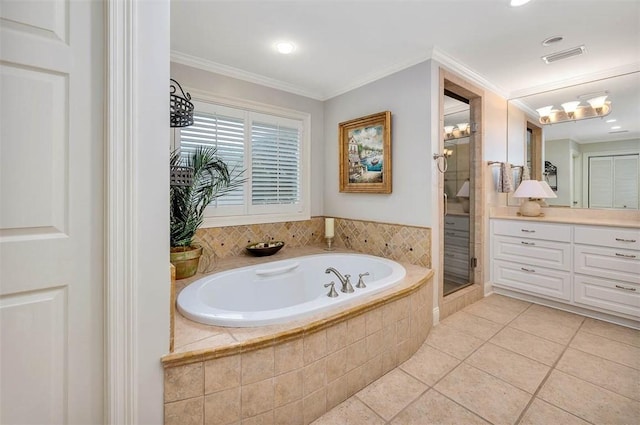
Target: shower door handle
[(446, 198)]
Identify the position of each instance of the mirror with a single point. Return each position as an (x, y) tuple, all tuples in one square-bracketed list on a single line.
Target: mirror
[(591, 162)]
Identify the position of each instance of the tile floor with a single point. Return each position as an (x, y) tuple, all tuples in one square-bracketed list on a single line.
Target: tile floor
[(505, 361)]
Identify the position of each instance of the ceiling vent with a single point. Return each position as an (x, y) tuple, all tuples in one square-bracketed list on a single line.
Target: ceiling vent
[(554, 57)]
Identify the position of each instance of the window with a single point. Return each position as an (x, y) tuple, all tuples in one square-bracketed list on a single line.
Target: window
[(270, 145)]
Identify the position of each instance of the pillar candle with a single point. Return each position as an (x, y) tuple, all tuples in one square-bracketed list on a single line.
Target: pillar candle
[(328, 227)]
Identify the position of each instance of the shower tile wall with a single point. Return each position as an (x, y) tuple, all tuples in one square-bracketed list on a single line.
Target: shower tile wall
[(410, 244)]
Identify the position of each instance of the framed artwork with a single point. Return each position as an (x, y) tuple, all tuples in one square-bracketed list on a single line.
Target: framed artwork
[(365, 154)]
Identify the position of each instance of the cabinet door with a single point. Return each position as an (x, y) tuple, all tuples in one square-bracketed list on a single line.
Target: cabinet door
[(625, 182), (543, 253)]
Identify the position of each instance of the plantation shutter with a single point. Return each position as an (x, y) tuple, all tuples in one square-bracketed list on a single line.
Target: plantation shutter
[(227, 135), (276, 153)]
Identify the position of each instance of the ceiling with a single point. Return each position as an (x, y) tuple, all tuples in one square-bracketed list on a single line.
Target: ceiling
[(341, 45)]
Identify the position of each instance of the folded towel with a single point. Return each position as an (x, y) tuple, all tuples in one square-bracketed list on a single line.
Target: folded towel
[(505, 182)]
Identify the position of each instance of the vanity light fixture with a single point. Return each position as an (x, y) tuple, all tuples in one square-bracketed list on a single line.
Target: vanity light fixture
[(597, 107), (457, 131)]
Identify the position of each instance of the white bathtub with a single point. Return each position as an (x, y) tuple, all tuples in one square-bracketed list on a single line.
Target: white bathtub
[(281, 291)]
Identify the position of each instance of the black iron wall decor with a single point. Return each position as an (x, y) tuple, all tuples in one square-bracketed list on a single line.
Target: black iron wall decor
[(181, 106), (551, 175)]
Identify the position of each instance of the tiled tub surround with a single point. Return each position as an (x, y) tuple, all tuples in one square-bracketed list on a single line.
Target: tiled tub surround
[(293, 373), (406, 244)]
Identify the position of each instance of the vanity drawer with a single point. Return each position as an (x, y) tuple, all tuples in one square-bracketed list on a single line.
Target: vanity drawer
[(611, 263), (607, 294), (615, 237), (533, 230), (456, 222), (543, 253), (532, 279)]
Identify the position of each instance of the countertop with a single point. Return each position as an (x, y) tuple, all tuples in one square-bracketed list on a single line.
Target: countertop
[(616, 218)]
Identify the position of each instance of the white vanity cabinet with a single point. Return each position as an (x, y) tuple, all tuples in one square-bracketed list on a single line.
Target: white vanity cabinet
[(607, 268), (532, 257), (590, 267)]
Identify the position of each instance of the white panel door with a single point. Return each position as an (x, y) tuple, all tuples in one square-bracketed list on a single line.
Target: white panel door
[(51, 212), (625, 182)]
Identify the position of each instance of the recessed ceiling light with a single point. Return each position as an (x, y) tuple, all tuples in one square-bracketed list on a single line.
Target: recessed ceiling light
[(551, 40), (516, 3), (285, 47), (611, 120), (616, 127)]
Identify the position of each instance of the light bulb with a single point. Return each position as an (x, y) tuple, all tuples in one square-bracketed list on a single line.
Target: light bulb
[(463, 126)]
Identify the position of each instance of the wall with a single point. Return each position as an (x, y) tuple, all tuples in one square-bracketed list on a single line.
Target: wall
[(216, 84), (407, 95), (627, 146)]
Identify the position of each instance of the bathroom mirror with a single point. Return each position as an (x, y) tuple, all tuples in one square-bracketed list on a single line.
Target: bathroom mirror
[(591, 163)]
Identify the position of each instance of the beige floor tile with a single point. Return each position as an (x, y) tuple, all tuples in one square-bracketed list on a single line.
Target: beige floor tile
[(500, 310), (390, 394), (429, 364), (528, 345), (605, 373), (611, 331), (588, 401), (353, 412), (483, 394), (547, 327), (517, 370), (607, 348), (472, 325), (453, 341), (435, 409), (507, 302), (541, 412), (564, 318)]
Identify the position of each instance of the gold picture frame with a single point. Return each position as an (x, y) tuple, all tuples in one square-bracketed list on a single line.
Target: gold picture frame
[(365, 154)]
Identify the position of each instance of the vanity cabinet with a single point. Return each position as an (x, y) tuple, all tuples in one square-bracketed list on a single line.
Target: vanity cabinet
[(592, 267), (456, 247), (532, 257)]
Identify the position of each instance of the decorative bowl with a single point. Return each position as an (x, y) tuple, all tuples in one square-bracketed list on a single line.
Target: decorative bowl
[(262, 249)]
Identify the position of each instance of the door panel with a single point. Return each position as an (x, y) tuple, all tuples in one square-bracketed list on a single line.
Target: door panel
[(51, 225)]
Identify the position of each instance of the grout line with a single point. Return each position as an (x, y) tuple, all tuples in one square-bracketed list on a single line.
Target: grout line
[(546, 378)]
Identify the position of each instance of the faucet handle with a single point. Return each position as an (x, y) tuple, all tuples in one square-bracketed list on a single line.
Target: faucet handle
[(332, 292), (360, 283)]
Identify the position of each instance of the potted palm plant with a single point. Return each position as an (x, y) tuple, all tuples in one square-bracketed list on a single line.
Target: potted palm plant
[(207, 177)]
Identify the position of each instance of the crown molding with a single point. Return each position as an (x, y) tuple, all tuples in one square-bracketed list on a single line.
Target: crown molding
[(465, 72), (574, 81), (229, 71)]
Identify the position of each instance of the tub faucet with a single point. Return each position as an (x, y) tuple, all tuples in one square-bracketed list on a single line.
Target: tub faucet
[(346, 285)]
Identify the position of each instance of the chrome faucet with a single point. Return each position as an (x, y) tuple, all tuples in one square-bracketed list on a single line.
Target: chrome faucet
[(346, 285)]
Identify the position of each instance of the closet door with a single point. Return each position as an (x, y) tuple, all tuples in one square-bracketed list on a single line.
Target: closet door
[(625, 181), (614, 181)]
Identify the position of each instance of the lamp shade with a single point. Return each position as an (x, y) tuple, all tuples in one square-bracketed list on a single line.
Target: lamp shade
[(547, 188), (464, 190), (570, 107), (545, 112), (597, 102), (530, 189)]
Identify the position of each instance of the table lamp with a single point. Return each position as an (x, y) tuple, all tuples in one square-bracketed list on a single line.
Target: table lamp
[(463, 194), (531, 190)]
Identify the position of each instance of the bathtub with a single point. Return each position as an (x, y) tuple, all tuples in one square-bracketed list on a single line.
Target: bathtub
[(281, 291)]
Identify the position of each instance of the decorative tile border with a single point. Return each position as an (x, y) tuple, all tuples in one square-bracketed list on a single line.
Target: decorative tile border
[(409, 244)]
